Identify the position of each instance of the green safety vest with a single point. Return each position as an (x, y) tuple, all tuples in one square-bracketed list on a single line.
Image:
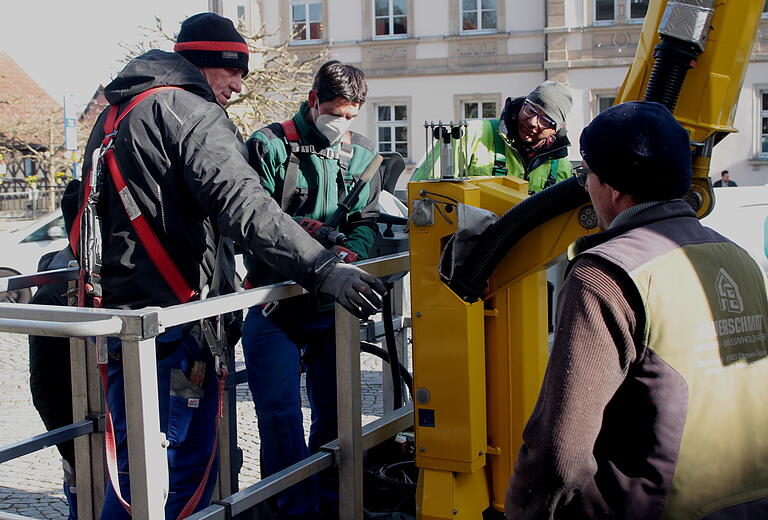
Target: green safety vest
[(491, 153), (705, 318)]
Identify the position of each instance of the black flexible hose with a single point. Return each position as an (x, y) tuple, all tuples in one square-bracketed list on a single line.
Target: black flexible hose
[(471, 279), (673, 59), (389, 336), (382, 354)]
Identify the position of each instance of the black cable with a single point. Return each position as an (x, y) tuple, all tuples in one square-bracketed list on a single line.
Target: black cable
[(471, 279), (370, 348), (389, 336)]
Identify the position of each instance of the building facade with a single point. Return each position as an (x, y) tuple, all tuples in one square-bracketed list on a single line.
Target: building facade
[(442, 60), (30, 125)]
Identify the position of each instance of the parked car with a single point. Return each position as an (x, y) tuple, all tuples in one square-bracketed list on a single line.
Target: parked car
[(22, 247), (741, 214)]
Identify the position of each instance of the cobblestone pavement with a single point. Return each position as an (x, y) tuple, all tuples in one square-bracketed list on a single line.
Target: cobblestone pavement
[(31, 485)]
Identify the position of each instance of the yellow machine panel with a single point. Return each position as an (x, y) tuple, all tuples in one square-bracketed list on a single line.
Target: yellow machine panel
[(707, 102), (478, 367), (708, 99)]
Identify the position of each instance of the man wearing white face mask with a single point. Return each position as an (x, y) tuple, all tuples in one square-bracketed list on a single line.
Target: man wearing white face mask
[(308, 164)]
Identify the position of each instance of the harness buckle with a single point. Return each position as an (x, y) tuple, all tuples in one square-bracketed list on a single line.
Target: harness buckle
[(269, 307), (215, 343)]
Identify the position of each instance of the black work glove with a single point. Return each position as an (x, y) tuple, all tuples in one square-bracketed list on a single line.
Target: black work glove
[(354, 289)]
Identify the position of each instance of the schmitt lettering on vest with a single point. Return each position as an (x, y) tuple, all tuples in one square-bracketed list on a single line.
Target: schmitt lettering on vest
[(739, 325)]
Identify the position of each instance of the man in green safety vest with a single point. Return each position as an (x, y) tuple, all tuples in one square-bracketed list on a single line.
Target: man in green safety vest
[(528, 141)]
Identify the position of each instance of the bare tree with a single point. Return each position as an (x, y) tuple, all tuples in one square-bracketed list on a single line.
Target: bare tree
[(33, 130), (278, 82)]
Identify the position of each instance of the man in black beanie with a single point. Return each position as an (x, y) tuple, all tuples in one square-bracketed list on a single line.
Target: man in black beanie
[(165, 237), (646, 409)]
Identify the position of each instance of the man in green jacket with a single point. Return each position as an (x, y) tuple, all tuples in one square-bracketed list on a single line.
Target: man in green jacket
[(308, 164), (528, 141)]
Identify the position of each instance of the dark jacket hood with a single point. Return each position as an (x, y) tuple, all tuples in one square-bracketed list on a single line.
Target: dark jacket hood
[(508, 126), (157, 69)]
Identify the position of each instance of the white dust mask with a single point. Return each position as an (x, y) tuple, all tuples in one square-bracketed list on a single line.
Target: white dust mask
[(332, 127)]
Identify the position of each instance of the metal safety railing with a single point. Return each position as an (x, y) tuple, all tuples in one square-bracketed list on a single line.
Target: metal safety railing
[(146, 444)]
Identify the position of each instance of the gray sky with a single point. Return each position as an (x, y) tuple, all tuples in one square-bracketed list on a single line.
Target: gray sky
[(69, 47)]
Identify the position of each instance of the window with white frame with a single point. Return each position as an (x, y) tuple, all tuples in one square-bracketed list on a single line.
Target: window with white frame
[(241, 13), (390, 18), (606, 10), (307, 18), (604, 103), (478, 16), (636, 10), (392, 128), (763, 146), (478, 110)]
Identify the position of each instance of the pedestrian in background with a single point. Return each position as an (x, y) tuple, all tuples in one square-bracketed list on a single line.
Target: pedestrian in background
[(725, 180)]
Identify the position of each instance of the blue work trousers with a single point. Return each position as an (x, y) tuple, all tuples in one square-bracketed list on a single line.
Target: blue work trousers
[(274, 377), (187, 417)]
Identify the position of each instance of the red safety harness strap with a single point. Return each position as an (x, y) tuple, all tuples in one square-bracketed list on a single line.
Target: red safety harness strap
[(157, 253), (111, 446), (195, 499), (74, 233), (290, 130)]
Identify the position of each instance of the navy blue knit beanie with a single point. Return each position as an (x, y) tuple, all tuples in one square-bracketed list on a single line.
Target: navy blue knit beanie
[(640, 149), (210, 40)]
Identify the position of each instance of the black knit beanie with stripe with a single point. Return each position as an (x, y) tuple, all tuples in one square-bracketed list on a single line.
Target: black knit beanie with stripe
[(211, 40)]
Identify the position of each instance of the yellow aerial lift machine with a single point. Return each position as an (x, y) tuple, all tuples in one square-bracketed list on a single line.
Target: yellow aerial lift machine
[(480, 342)]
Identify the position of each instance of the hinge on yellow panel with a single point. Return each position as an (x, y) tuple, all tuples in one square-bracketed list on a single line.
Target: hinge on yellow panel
[(491, 312), (493, 450)]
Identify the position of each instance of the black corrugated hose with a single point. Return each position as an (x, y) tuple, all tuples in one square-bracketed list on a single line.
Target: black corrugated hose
[(472, 279), (389, 335)]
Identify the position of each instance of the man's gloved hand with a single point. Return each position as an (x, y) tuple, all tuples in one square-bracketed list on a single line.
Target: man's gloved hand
[(354, 289), (347, 256)]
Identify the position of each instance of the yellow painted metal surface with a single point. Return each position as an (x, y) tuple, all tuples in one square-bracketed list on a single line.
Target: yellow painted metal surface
[(480, 362), (708, 99), (445, 495), (517, 339), (449, 360), (710, 93), (516, 360), (481, 365)]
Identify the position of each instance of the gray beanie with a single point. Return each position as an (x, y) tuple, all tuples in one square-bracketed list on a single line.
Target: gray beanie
[(554, 99)]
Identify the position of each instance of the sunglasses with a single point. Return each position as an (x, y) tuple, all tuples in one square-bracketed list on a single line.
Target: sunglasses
[(528, 111), (581, 173)]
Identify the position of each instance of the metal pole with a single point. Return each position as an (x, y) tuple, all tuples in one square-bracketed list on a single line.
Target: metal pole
[(89, 449), (349, 415), (216, 6), (230, 459), (86, 403), (147, 456)]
